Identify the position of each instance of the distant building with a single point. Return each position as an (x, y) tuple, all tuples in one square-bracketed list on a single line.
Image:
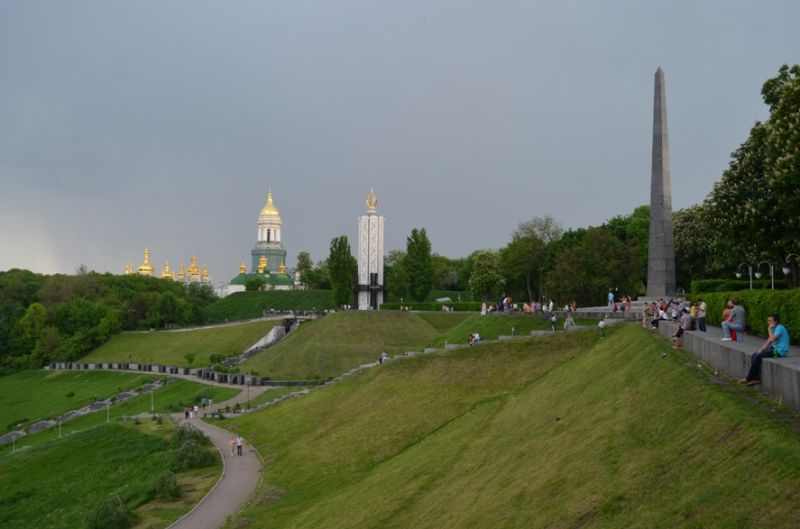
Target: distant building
[(268, 256), (194, 275)]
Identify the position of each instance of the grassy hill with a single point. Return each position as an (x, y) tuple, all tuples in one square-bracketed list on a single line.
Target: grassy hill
[(56, 485), (564, 431), (246, 305), (28, 396), (339, 342), (168, 399), (169, 347)]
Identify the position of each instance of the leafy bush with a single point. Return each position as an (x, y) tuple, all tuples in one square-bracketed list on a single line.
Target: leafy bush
[(734, 285), (165, 487), (191, 455), (759, 304), (190, 434), (112, 514)]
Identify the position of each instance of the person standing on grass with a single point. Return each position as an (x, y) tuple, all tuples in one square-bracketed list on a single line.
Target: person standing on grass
[(776, 346)]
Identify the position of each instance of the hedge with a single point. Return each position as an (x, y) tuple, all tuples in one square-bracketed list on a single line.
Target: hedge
[(458, 306), (759, 304), (734, 285)]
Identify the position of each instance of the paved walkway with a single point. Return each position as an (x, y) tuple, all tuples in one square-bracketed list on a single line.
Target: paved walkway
[(240, 478)]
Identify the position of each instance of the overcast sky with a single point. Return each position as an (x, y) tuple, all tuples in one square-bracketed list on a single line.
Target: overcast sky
[(162, 124)]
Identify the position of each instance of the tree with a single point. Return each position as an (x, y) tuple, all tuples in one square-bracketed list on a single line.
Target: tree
[(396, 275), (585, 272), (635, 229), (782, 154), (525, 256), (342, 267), (418, 264), (30, 327), (486, 279), (189, 357), (694, 255), (304, 265)]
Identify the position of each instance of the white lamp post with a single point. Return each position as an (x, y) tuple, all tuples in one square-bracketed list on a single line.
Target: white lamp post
[(749, 273), (771, 272)]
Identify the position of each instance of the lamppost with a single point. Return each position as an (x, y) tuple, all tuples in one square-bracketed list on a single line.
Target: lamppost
[(771, 272), (786, 269), (749, 273)]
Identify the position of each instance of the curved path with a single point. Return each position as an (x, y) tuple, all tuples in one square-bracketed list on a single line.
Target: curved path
[(240, 477)]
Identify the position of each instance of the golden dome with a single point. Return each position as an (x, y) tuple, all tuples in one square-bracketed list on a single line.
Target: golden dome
[(262, 264), (181, 273), (194, 270), (205, 274), (166, 273), (242, 268), (282, 268), (146, 268), (269, 209)]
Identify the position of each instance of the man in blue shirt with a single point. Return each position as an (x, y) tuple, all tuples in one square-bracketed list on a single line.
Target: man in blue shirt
[(776, 346)]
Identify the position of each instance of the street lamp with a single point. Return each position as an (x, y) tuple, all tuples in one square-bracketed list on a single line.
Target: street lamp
[(771, 272), (786, 269), (749, 273)]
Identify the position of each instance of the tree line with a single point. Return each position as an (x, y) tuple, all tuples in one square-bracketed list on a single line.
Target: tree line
[(45, 318)]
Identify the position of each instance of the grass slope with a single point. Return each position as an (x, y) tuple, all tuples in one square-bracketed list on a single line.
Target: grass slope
[(339, 342), (169, 347), (245, 305), (492, 326), (56, 485), (173, 397), (565, 431), (29, 396)]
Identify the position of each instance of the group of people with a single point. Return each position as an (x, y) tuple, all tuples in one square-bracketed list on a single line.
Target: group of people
[(614, 305), (543, 308), (692, 316)]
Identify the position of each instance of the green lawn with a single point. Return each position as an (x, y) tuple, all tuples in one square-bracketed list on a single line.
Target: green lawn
[(173, 397), (272, 393), (245, 305), (563, 431), (56, 485), (29, 396), (169, 347), (494, 325), (339, 342)]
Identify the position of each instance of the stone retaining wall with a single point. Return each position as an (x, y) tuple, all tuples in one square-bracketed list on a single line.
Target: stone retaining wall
[(780, 377)]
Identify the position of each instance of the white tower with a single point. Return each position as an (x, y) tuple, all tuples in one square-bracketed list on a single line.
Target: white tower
[(370, 287), (269, 243)]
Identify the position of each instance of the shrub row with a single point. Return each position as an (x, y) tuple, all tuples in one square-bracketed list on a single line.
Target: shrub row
[(759, 304), (458, 306), (734, 285)]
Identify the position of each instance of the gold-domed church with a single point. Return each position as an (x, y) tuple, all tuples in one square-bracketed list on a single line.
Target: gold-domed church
[(268, 265), (194, 275)]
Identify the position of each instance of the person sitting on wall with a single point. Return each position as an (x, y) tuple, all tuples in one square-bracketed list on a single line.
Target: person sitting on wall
[(736, 322), (776, 346)]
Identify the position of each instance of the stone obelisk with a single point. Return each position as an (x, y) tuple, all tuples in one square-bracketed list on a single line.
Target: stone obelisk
[(661, 253), (370, 288)]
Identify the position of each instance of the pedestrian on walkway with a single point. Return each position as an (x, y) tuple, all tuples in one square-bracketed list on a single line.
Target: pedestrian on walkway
[(776, 346), (239, 445), (231, 446)]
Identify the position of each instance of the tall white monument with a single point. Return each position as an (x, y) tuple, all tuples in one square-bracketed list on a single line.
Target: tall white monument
[(370, 288)]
